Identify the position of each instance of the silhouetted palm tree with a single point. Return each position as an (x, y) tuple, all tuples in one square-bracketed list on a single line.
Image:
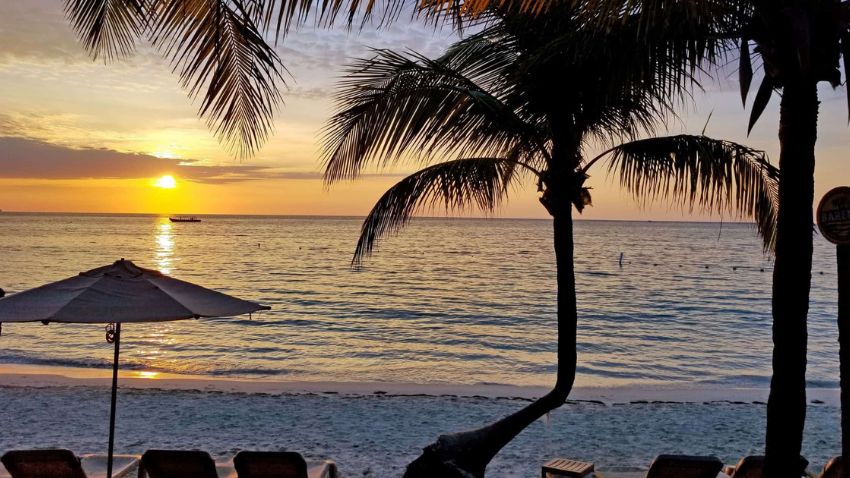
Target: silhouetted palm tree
[(800, 43), (525, 99)]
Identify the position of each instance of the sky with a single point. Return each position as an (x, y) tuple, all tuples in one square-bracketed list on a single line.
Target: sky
[(78, 135)]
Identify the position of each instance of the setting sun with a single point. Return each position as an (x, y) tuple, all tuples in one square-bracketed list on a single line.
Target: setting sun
[(166, 182)]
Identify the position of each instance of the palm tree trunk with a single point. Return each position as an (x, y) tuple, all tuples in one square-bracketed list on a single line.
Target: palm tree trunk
[(786, 407), (843, 253), (466, 454)]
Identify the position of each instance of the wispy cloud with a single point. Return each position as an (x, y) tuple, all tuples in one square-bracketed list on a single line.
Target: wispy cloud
[(27, 158)]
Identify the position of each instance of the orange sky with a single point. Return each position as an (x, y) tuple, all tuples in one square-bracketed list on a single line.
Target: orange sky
[(59, 109)]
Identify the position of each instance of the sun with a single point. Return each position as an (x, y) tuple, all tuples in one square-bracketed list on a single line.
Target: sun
[(166, 182)]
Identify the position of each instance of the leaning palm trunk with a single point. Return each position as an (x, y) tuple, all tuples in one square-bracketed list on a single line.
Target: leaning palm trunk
[(496, 101), (467, 454), (786, 408)]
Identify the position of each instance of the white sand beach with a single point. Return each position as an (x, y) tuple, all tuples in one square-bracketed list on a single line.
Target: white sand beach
[(374, 430)]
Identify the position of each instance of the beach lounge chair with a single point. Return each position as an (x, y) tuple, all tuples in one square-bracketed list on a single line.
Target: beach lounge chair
[(177, 464), (684, 466), (43, 464), (270, 464), (566, 468), (749, 467), (753, 467), (833, 468)]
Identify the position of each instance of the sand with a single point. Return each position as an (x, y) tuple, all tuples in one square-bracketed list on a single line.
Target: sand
[(374, 430)]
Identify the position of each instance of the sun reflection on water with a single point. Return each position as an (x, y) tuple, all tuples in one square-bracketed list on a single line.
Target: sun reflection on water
[(146, 374), (164, 251)]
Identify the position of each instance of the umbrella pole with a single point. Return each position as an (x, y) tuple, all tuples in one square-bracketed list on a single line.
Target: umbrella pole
[(114, 397)]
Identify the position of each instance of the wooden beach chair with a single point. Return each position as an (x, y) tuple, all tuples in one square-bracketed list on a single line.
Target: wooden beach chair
[(566, 468), (684, 466), (749, 467), (43, 464), (753, 467), (833, 468), (177, 464), (270, 464)]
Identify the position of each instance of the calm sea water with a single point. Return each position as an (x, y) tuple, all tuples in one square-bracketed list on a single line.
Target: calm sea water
[(448, 300)]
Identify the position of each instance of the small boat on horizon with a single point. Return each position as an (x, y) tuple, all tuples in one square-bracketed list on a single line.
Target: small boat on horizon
[(184, 219)]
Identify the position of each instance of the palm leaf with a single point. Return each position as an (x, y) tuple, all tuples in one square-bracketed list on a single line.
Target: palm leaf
[(395, 104), (745, 70), (458, 184), (697, 171), (763, 95), (616, 82), (107, 28), (845, 56), (282, 15), (221, 57)]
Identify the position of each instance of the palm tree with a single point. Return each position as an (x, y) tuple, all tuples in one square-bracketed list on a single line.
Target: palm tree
[(800, 43), (525, 99), (219, 49)]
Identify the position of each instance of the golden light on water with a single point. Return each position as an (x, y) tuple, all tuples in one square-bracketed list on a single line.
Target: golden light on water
[(164, 246), (145, 374), (166, 182)]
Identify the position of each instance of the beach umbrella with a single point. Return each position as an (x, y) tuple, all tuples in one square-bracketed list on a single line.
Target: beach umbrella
[(120, 293)]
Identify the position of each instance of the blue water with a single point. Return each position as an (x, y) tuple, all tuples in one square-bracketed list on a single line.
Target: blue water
[(448, 300)]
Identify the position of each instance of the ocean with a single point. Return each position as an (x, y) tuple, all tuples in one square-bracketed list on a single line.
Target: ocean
[(461, 301), (468, 303)]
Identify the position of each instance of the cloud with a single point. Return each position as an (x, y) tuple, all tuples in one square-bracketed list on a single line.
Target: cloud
[(318, 56), (37, 30), (309, 93), (27, 158)]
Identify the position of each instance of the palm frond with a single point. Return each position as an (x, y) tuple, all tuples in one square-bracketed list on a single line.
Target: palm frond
[(395, 104), (725, 16), (221, 57), (484, 58), (700, 172), (279, 16), (475, 8), (476, 182), (616, 82), (108, 28)]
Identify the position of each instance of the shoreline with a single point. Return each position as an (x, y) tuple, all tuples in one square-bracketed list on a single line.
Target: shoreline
[(376, 429), (39, 376)]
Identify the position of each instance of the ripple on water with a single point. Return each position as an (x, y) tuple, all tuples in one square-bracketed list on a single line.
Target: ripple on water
[(476, 305)]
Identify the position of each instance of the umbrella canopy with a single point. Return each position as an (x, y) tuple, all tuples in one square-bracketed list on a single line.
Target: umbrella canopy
[(115, 294), (120, 292)]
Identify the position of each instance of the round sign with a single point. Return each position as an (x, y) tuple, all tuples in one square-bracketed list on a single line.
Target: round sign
[(834, 216)]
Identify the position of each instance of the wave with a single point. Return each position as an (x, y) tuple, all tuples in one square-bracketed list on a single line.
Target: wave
[(55, 362)]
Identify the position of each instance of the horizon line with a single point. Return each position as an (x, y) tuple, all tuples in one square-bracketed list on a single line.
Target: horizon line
[(349, 216)]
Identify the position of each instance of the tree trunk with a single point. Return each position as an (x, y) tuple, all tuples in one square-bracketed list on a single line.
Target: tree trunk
[(843, 256), (786, 407), (466, 454)]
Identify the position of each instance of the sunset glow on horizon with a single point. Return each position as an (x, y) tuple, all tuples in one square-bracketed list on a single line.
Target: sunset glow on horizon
[(166, 182), (78, 135)]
